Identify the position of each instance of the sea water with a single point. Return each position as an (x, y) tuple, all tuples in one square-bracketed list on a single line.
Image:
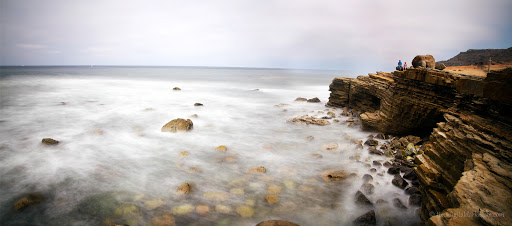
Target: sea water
[(113, 164)]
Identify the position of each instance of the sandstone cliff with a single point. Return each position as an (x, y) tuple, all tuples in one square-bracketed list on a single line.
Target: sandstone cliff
[(465, 172)]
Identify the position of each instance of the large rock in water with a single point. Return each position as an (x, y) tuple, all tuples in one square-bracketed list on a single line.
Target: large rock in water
[(27, 201), (277, 223), (424, 61), (366, 219), (178, 125), (49, 141), (334, 175), (306, 119)]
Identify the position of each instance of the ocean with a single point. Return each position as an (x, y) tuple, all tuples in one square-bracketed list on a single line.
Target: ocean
[(113, 164)]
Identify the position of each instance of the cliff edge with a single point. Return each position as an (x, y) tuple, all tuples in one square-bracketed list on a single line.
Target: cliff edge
[(465, 170)]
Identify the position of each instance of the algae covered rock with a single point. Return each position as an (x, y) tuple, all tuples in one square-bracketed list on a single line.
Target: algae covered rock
[(49, 141), (27, 201), (178, 124)]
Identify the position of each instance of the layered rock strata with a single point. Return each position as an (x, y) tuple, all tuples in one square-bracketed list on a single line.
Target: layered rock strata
[(465, 171)]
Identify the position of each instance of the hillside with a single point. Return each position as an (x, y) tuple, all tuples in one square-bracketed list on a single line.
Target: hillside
[(480, 56)]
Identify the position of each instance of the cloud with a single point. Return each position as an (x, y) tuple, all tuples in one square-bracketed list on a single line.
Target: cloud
[(329, 34)]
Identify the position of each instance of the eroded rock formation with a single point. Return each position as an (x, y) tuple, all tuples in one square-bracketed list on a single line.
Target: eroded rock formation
[(466, 167)]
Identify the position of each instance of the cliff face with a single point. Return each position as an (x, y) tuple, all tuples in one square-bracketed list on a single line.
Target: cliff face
[(480, 56), (465, 172)]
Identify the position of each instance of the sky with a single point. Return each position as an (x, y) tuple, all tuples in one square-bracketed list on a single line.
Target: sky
[(357, 35)]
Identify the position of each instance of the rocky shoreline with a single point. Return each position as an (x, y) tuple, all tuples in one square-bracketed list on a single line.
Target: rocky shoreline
[(463, 162)]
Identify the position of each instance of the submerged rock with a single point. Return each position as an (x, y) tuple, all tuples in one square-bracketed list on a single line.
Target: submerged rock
[(49, 141), (334, 175), (183, 209), (198, 104), (176, 89), (184, 188), (398, 204), (366, 219), (330, 146), (314, 100), (258, 169), (368, 188), (362, 200), (371, 142), (367, 178), (399, 182), (301, 99), (221, 148), (216, 196), (178, 125), (276, 223), (27, 201), (245, 211), (317, 156), (203, 210), (223, 209), (306, 119), (415, 199), (272, 199), (166, 220), (310, 138)]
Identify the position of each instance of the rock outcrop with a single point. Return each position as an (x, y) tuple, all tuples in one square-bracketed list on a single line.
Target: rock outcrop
[(466, 166), (424, 61)]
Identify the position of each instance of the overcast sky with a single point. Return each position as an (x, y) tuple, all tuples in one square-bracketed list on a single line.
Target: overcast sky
[(358, 35)]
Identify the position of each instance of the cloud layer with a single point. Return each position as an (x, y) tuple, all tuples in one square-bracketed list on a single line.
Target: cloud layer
[(328, 34)]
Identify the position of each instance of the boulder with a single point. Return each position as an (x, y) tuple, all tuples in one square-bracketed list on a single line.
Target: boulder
[(366, 219), (367, 178), (306, 119), (398, 204), (374, 151), (27, 201), (176, 89), (184, 188), (258, 169), (49, 141), (334, 175), (425, 61), (399, 182), (440, 66), (314, 100), (415, 199), (371, 142), (276, 223), (410, 175), (362, 200), (178, 125), (376, 163), (198, 104), (387, 164), (411, 190), (368, 188), (301, 99), (393, 170)]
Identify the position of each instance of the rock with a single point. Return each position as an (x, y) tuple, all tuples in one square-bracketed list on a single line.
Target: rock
[(301, 99), (166, 220), (216, 196), (367, 178), (276, 223), (398, 204), (314, 100), (272, 199), (366, 219), (374, 151), (424, 61), (237, 191), (412, 190), (405, 169), (387, 164), (350, 120), (411, 150), (334, 175), (310, 138), (399, 182), (440, 66), (382, 136), (49, 141), (27, 201), (223, 209), (221, 148), (381, 202), (415, 199), (245, 211), (410, 175), (305, 119), (330, 146), (176, 89), (184, 188), (153, 204), (258, 169), (198, 104), (376, 163), (362, 200), (182, 209), (368, 188), (331, 114), (203, 210), (194, 116), (274, 189), (183, 154), (371, 142), (394, 170), (178, 125), (326, 117), (317, 156)]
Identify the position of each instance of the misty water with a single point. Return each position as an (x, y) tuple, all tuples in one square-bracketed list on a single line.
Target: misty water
[(113, 164)]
